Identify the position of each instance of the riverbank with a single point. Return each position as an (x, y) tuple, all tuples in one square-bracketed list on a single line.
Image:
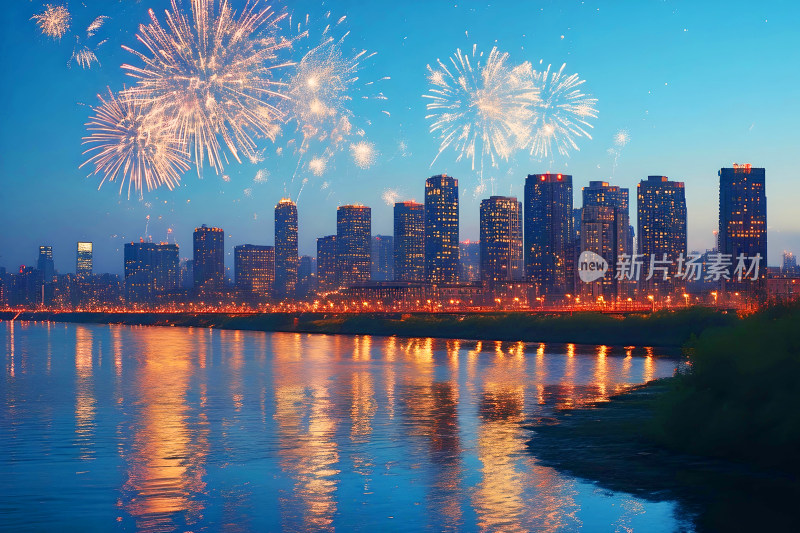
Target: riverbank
[(667, 329), (721, 439)]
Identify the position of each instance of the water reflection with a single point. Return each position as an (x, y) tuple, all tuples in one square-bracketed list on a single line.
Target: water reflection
[(223, 430), (166, 460), (84, 397)]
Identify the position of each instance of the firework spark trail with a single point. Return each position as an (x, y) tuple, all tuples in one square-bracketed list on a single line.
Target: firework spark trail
[(96, 24), (621, 139), (133, 145), (215, 72), (54, 21), (563, 113), (83, 55), (480, 106)]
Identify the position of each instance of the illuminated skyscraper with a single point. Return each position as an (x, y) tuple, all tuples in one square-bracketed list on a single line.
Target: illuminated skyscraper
[(286, 256), (661, 230), (409, 241), (150, 269), (327, 264), (45, 264), (83, 260), (743, 217), (254, 267), (548, 232), (209, 258), (605, 228), (789, 267), (353, 242), (382, 258), (441, 229), (501, 239)]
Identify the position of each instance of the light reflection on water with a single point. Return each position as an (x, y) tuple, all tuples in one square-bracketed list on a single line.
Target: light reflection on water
[(160, 429)]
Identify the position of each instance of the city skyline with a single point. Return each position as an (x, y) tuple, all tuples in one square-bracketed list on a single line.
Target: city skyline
[(678, 120), (594, 194)]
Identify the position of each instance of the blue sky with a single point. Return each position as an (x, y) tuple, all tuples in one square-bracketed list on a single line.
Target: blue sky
[(698, 86)]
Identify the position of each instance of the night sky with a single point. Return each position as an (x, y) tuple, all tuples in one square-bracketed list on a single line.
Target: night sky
[(697, 85)]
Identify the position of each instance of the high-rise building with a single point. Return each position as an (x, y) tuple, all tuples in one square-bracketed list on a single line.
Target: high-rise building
[(83, 259), (353, 242), (548, 232), (441, 229), (209, 258), (286, 255), (605, 228), (409, 241), (382, 258), (743, 219), (501, 239), (306, 277), (469, 261), (45, 264), (789, 267), (327, 264), (150, 269), (661, 231), (254, 267)]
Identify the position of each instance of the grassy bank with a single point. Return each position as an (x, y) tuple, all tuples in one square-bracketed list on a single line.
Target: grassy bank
[(722, 438), (741, 399), (663, 329)]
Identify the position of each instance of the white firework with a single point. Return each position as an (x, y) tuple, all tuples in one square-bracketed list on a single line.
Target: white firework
[(364, 154), (390, 196), (563, 113), (262, 176), (480, 106)]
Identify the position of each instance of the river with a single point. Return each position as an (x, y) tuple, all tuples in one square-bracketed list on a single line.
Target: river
[(157, 429)]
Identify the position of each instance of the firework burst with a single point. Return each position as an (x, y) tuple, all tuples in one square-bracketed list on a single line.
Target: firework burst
[(54, 21), (622, 138), (364, 154), (134, 146), (317, 165), (390, 196), (563, 113), (215, 71), (321, 90), (481, 106)]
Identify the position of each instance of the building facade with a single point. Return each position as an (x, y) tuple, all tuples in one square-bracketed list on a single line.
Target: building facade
[(327, 264), (501, 239), (382, 258), (151, 270), (209, 259), (286, 254), (743, 222), (354, 243), (409, 241), (441, 229), (604, 230), (254, 268), (469, 261), (661, 232), (549, 234), (84, 259)]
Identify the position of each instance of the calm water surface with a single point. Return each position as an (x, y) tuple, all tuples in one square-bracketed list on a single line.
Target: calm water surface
[(159, 429)]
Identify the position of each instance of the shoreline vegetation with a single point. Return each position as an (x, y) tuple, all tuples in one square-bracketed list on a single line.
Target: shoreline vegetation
[(662, 329), (721, 437)]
